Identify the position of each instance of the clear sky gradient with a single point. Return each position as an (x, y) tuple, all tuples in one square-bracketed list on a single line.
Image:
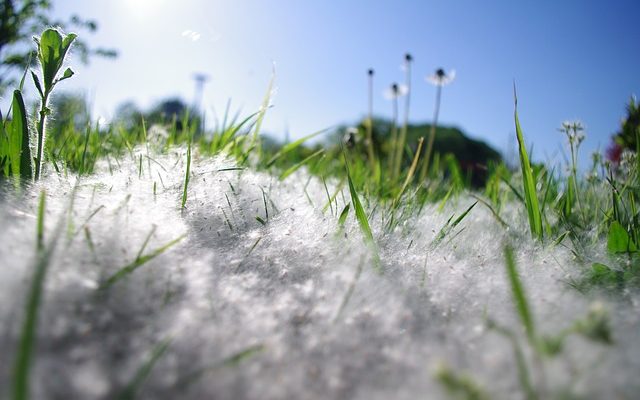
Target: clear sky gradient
[(570, 59)]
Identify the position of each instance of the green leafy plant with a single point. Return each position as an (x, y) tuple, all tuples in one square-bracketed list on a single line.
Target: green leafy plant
[(53, 47), (20, 20)]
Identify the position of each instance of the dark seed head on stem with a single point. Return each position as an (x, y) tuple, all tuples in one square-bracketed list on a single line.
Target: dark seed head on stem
[(370, 72)]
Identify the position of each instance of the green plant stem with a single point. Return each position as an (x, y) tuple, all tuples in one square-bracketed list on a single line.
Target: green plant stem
[(405, 124), (394, 134), (371, 153), (41, 134), (432, 135)]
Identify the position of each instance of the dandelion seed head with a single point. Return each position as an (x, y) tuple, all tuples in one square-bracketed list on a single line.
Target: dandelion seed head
[(395, 91), (441, 78)]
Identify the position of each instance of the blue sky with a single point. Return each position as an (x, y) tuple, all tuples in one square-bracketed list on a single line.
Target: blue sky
[(571, 59)]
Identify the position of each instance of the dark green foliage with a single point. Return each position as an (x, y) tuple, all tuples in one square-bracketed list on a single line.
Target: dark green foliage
[(473, 155), (627, 136)]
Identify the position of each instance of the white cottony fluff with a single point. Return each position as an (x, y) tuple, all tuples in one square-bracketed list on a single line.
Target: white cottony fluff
[(279, 311)]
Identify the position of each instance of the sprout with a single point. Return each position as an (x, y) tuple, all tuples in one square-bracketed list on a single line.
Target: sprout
[(441, 78)]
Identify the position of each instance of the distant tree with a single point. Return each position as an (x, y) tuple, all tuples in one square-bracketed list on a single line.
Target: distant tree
[(627, 136), (70, 110), (174, 108), (127, 115), (19, 21), (165, 112)]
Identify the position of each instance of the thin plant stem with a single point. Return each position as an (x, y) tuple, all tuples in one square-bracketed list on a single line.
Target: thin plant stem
[(394, 132), (432, 135), (403, 131), (369, 126), (41, 135)]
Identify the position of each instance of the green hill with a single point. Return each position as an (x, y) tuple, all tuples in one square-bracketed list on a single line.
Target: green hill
[(473, 155)]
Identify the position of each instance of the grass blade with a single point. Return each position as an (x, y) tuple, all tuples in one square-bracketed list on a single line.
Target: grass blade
[(289, 147), (295, 167), (530, 195), (186, 176), (361, 216), (129, 393), (22, 366), (137, 263), (517, 290)]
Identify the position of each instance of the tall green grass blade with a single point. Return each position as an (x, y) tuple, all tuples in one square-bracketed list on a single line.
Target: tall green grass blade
[(362, 218), (530, 194), (517, 290)]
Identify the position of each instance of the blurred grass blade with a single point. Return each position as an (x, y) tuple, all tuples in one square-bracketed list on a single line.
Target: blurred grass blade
[(517, 290), (287, 148), (343, 215), (186, 176), (296, 166), (229, 362), (130, 391), (410, 174), (137, 263), (530, 195), (263, 109), (24, 356)]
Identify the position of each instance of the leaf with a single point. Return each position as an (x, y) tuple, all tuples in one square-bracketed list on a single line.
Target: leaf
[(52, 50), (618, 240), (343, 215), (530, 195), (50, 47), (68, 73), (36, 81), (19, 132)]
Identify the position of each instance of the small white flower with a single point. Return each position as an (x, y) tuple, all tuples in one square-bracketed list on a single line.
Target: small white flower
[(574, 131)]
